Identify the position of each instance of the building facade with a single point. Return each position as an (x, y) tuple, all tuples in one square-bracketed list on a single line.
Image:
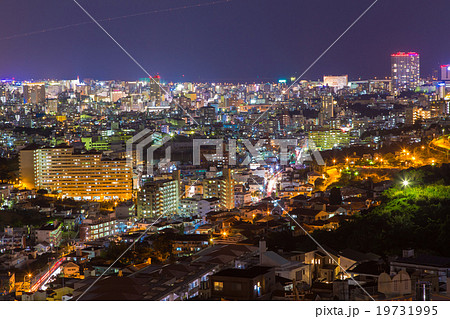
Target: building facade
[(34, 93), (405, 71), (445, 73), (81, 176), (160, 197), (96, 228), (50, 234)]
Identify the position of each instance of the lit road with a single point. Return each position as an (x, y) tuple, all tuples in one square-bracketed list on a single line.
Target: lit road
[(272, 183), (334, 176), (48, 275), (440, 144)]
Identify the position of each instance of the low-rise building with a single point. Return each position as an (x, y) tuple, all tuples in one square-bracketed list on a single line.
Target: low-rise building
[(189, 244), (49, 234), (98, 227), (70, 269), (255, 283)]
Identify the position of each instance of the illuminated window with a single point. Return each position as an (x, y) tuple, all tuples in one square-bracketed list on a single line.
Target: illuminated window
[(218, 286)]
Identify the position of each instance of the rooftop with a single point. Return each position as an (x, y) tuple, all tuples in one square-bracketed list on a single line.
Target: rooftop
[(244, 273)]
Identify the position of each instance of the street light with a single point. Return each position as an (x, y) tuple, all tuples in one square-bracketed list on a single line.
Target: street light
[(405, 183)]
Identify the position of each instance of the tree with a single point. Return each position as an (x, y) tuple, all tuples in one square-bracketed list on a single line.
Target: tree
[(335, 196), (414, 216), (163, 247)]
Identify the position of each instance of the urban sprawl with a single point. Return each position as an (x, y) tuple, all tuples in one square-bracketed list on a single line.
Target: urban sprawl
[(335, 189)]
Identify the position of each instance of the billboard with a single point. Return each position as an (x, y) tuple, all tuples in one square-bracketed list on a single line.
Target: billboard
[(336, 82)]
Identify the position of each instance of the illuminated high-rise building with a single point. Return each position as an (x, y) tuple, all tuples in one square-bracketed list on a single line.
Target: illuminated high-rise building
[(327, 110), (155, 89), (405, 71), (211, 188), (34, 93), (226, 195), (328, 106), (222, 187), (159, 198), (445, 73), (81, 176)]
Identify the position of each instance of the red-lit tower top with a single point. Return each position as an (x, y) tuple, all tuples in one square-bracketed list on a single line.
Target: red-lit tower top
[(405, 54)]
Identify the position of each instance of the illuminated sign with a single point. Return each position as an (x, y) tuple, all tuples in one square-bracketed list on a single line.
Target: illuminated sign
[(282, 81), (338, 82)]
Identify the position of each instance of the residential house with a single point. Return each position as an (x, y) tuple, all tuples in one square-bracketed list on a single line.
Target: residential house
[(255, 283), (49, 234)]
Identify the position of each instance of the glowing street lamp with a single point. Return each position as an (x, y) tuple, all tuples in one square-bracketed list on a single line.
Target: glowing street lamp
[(405, 183)]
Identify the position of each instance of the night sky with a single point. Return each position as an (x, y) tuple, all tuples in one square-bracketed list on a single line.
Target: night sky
[(237, 40)]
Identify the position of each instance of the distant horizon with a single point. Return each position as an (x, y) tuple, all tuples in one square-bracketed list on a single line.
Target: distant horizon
[(163, 79)]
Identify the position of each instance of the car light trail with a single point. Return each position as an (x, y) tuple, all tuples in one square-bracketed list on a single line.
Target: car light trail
[(47, 275)]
